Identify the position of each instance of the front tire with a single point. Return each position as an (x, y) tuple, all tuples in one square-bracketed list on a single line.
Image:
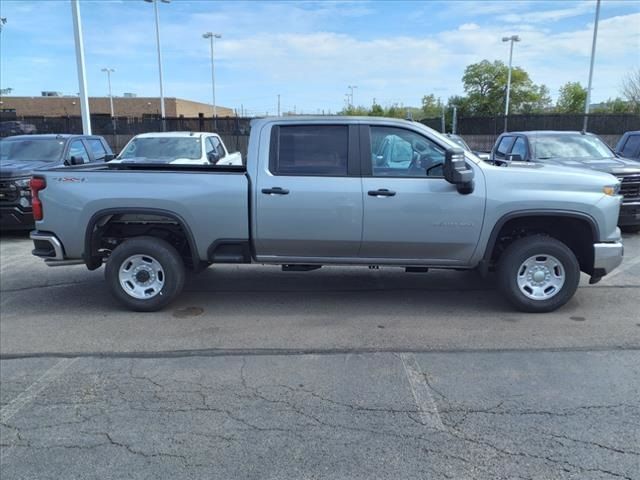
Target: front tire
[(145, 273), (538, 274)]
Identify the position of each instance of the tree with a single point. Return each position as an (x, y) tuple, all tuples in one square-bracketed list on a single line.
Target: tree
[(631, 89), (431, 106), (376, 111), (486, 83), (615, 105), (572, 98)]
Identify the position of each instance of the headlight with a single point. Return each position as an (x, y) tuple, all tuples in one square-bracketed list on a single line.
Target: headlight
[(22, 182), (611, 190)]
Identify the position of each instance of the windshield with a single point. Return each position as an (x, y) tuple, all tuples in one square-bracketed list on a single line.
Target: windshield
[(568, 146), (163, 148), (30, 149)]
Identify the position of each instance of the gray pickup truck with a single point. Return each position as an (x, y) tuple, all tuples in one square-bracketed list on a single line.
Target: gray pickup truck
[(333, 190)]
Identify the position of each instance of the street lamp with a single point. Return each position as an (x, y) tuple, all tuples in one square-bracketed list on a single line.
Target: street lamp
[(593, 56), (109, 71), (511, 39), (155, 9), (211, 36)]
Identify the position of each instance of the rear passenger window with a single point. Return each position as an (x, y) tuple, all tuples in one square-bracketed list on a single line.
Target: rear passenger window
[(503, 147), (630, 148), (310, 150)]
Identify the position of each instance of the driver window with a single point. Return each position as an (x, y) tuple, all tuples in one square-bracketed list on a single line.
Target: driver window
[(396, 152), (77, 149)]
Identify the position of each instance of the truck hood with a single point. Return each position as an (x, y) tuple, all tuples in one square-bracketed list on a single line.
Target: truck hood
[(613, 165), (21, 168), (561, 174)]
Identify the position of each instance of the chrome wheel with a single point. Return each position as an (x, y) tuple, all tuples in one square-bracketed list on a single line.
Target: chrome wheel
[(541, 277), (141, 276)]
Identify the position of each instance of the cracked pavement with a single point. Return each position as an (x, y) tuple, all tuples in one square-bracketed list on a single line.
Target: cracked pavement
[(306, 378)]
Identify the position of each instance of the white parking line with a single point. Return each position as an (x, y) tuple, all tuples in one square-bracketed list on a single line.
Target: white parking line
[(421, 391), (26, 397)]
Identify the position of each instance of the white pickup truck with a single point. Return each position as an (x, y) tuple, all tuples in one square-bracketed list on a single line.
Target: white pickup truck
[(180, 148)]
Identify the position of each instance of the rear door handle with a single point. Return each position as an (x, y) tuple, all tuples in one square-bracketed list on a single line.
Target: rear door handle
[(382, 192), (275, 191)]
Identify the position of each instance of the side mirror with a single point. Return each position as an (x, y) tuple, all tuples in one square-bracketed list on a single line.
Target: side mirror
[(456, 171), (73, 161), (108, 157), (514, 157), (213, 157)]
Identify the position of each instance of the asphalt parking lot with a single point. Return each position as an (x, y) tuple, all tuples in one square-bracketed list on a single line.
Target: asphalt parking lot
[(337, 373)]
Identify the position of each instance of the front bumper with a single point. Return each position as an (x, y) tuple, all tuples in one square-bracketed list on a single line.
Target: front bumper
[(607, 257), (629, 214), (13, 217)]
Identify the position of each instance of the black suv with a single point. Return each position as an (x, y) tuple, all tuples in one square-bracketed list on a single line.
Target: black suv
[(629, 145), (576, 149), (22, 154)]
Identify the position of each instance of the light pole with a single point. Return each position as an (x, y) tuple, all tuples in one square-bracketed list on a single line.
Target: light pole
[(82, 77), (593, 56), (512, 39), (109, 71), (211, 36), (155, 9), (351, 87)]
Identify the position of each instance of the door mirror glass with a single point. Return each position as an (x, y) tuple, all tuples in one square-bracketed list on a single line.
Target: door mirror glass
[(456, 170), (109, 156), (213, 157)]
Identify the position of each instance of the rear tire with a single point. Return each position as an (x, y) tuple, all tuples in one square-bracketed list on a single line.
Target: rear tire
[(538, 274), (145, 273)]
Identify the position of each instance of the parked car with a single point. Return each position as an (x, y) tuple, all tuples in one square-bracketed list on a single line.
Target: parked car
[(629, 145), (183, 148), (21, 155), (576, 149), (16, 127), (462, 143)]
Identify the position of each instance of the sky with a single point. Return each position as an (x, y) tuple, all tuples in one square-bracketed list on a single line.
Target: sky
[(309, 52)]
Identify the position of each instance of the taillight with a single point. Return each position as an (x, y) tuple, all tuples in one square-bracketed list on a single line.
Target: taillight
[(36, 184)]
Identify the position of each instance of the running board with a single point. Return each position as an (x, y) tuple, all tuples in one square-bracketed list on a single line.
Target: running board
[(62, 263)]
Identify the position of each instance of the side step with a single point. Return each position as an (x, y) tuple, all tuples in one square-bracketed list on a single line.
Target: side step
[(300, 268)]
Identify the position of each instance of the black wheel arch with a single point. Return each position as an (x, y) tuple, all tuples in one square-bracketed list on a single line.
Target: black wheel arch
[(91, 238), (523, 215)]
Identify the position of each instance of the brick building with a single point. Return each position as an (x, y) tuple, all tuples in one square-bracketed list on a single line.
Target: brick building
[(56, 106)]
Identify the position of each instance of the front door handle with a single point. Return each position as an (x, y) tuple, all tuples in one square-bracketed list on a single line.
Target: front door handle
[(275, 191), (382, 192)]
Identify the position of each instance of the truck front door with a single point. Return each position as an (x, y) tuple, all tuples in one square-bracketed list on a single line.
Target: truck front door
[(410, 211), (308, 195)]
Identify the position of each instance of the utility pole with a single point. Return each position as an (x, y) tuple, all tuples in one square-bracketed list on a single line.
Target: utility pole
[(82, 77), (109, 71), (442, 120), (512, 39), (212, 36), (454, 125), (351, 87), (278, 104), (157, 17), (593, 56)]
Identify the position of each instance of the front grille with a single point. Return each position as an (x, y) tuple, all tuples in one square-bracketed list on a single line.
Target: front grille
[(8, 192), (630, 187)]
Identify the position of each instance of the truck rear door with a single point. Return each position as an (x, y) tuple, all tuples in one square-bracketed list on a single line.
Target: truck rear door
[(308, 195)]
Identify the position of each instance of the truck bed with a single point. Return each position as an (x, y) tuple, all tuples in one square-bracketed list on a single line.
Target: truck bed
[(211, 202)]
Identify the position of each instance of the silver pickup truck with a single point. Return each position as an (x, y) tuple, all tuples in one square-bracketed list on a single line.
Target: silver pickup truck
[(333, 190)]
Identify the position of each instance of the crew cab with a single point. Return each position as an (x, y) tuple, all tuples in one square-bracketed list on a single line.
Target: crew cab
[(576, 149), (178, 148), (329, 191), (22, 154)]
